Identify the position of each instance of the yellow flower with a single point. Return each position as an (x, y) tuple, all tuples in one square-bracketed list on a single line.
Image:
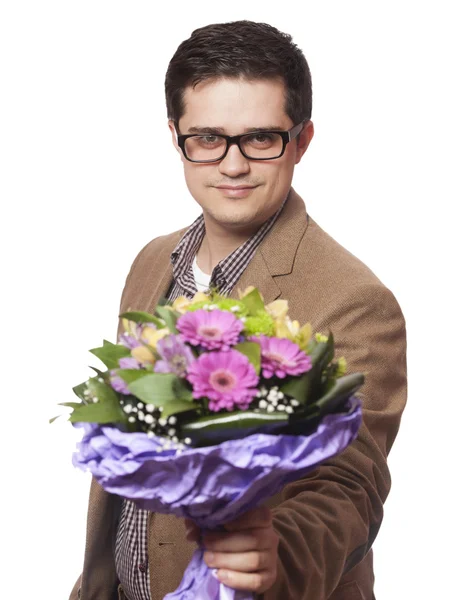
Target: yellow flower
[(247, 291), (180, 304), (285, 328), (278, 309), (143, 355), (151, 336), (200, 297), (130, 327), (304, 336)]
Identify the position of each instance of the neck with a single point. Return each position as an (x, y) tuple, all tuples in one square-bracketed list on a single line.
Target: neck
[(219, 243)]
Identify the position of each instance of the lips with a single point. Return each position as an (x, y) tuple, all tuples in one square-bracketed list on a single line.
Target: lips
[(239, 187)]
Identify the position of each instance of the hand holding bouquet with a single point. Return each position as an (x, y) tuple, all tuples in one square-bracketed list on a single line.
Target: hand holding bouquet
[(209, 407)]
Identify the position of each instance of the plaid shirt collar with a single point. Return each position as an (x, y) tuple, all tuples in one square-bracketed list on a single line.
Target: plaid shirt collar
[(228, 271)]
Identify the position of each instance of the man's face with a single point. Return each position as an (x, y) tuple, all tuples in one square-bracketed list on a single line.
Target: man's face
[(235, 106)]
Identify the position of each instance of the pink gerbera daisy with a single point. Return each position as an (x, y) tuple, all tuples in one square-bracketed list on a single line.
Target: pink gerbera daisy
[(227, 379), (213, 330), (282, 357)]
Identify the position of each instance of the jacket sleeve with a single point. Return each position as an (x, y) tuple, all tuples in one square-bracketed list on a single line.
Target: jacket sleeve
[(328, 521), (75, 593)]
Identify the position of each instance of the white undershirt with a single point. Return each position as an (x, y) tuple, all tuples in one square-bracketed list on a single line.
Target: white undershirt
[(202, 280)]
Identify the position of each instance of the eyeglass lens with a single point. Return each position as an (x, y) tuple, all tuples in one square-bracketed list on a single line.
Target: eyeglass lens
[(212, 147)]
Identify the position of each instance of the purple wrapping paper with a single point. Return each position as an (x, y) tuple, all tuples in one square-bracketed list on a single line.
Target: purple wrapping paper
[(211, 485)]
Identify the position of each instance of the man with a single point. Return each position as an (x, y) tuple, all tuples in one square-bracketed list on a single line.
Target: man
[(239, 104)]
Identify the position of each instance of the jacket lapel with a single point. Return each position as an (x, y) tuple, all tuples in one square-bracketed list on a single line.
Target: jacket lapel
[(275, 255)]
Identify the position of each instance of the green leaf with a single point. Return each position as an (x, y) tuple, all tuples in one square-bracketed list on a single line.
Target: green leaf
[(343, 388), (323, 352), (98, 413), (176, 406), (252, 351), (307, 389), (103, 374), (298, 387), (131, 375), (157, 388), (182, 391), (253, 301), (102, 391), (238, 419), (169, 317), (80, 389), (71, 404), (139, 316), (106, 410), (54, 419), (109, 354)]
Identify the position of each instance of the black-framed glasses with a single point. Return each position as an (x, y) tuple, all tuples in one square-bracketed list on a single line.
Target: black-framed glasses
[(255, 145)]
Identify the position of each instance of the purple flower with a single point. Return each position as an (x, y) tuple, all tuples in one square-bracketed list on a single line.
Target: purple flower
[(176, 356), (281, 357), (213, 330), (118, 384), (227, 379), (128, 362), (131, 340)]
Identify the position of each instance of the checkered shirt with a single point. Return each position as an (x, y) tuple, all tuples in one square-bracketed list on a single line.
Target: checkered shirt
[(131, 554)]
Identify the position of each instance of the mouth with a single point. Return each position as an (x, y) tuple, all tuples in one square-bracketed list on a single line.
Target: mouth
[(236, 187), (236, 191)]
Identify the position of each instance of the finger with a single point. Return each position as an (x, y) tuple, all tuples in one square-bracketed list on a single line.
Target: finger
[(257, 517), (240, 541), (246, 562), (257, 582)]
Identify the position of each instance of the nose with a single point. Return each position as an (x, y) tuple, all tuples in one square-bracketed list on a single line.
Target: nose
[(234, 163)]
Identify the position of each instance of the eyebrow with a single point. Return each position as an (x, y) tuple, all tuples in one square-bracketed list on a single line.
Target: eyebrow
[(215, 130)]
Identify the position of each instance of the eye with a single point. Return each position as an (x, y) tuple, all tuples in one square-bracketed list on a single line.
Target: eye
[(208, 139), (262, 137)]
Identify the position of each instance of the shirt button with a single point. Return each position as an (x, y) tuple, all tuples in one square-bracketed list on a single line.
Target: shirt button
[(142, 566)]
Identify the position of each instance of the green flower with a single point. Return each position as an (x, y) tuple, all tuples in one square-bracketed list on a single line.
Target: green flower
[(198, 305), (236, 307), (320, 338), (341, 366), (262, 323)]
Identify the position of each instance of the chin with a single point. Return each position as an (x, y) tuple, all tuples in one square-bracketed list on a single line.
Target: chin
[(235, 219)]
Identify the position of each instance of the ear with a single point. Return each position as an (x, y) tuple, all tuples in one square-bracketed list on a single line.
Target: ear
[(305, 137), (172, 127)]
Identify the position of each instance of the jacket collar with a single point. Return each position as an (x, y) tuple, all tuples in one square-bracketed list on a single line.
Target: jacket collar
[(275, 255)]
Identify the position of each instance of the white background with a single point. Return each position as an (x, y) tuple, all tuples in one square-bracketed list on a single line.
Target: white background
[(89, 175)]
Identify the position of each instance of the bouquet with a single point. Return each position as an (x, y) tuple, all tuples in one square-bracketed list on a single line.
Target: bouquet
[(208, 407)]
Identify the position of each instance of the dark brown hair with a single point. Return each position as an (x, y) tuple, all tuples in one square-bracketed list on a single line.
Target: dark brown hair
[(240, 49)]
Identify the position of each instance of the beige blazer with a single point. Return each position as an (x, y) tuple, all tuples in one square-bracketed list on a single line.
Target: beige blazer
[(328, 521)]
